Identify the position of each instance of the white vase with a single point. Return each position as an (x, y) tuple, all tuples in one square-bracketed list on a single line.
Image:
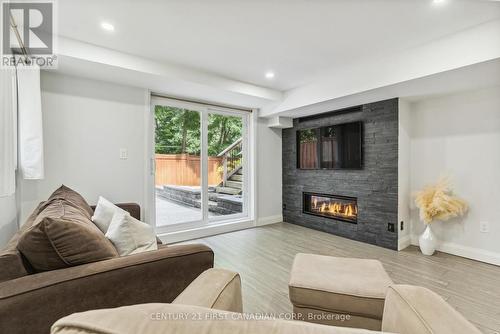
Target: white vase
[(427, 241)]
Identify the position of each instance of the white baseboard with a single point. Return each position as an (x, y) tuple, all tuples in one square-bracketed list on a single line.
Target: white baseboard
[(205, 231), (404, 242), (465, 251), (269, 220), (414, 239), (209, 230)]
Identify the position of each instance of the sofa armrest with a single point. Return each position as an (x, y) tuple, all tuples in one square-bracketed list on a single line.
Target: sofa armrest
[(31, 304), (216, 288), (417, 310)]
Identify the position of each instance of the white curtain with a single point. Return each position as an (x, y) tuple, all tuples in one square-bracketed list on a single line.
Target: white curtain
[(30, 122), (8, 133)]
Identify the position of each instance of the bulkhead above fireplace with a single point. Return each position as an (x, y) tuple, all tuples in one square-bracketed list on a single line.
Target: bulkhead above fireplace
[(337, 207)]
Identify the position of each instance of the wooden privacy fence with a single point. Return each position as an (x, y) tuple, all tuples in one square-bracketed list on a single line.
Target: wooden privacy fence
[(185, 170)]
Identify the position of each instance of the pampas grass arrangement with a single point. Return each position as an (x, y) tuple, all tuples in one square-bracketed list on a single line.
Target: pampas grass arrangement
[(437, 202)]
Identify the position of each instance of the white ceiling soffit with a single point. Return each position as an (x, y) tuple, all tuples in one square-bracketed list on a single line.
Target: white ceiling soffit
[(379, 78), (473, 77), (90, 61)]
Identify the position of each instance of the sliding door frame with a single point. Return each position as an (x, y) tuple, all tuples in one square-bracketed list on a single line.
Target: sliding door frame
[(219, 224)]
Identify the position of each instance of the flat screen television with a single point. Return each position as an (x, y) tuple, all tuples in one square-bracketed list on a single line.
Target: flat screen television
[(331, 147)]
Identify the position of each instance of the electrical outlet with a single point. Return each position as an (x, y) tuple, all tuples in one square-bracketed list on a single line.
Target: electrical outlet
[(390, 227), (484, 227), (123, 154)]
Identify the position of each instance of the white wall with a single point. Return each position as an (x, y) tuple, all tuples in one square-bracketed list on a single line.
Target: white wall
[(404, 196), (8, 218), (269, 174), (85, 124), (460, 135)]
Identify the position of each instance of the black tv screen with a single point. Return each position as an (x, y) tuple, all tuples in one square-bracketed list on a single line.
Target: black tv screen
[(331, 147)]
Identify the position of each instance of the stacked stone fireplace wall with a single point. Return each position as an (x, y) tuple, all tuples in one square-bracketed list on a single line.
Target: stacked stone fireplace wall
[(375, 185)]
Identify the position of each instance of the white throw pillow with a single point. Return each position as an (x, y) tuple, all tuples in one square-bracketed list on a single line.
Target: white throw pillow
[(103, 213), (129, 235)]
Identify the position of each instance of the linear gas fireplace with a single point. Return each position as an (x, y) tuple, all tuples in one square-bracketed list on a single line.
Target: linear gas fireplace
[(331, 206)]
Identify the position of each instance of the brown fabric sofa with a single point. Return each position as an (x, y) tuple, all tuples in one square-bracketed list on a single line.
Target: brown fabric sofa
[(408, 310), (32, 302)]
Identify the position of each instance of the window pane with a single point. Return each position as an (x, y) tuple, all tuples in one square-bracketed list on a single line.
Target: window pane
[(178, 165), (225, 165)]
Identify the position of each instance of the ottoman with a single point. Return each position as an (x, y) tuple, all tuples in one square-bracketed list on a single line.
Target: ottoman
[(338, 291)]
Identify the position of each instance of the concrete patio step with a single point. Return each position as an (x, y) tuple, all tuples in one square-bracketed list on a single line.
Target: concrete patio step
[(234, 184), (212, 205), (236, 177), (213, 196), (228, 190)]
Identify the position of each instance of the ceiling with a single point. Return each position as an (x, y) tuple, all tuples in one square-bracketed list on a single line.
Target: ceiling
[(241, 40)]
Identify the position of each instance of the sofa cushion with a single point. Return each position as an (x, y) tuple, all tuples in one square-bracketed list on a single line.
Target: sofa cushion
[(417, 310), (184, 319), (339, 285), (63, 235), (72, 196), (11, 261)]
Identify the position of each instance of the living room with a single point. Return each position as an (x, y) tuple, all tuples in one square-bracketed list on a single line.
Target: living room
[(320, 166)]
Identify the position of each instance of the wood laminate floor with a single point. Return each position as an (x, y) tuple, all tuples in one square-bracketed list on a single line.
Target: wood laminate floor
[(263, 256)]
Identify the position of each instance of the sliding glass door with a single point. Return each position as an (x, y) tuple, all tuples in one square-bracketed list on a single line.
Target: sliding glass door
[(201, 165), (226, 191), (178, 165)]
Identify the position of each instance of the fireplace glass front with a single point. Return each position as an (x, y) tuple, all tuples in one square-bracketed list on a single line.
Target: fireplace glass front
[(331, 206)]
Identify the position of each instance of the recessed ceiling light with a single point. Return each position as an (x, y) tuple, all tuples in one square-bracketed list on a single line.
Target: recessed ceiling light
[(270, 75), (107, 26), (437, 2)]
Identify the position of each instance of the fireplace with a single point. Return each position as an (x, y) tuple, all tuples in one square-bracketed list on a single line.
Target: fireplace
[(331, 206)]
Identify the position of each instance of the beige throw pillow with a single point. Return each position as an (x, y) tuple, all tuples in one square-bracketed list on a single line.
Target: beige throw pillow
[(129, 235), (103, 214)]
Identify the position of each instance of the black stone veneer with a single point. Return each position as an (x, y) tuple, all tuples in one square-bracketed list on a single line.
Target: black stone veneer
[(375, 185)]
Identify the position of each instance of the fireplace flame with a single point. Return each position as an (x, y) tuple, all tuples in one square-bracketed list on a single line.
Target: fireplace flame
[(337, 209)]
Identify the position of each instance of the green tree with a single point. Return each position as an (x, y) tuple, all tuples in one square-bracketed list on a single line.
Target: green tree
[(178, 131), (222, 132)]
